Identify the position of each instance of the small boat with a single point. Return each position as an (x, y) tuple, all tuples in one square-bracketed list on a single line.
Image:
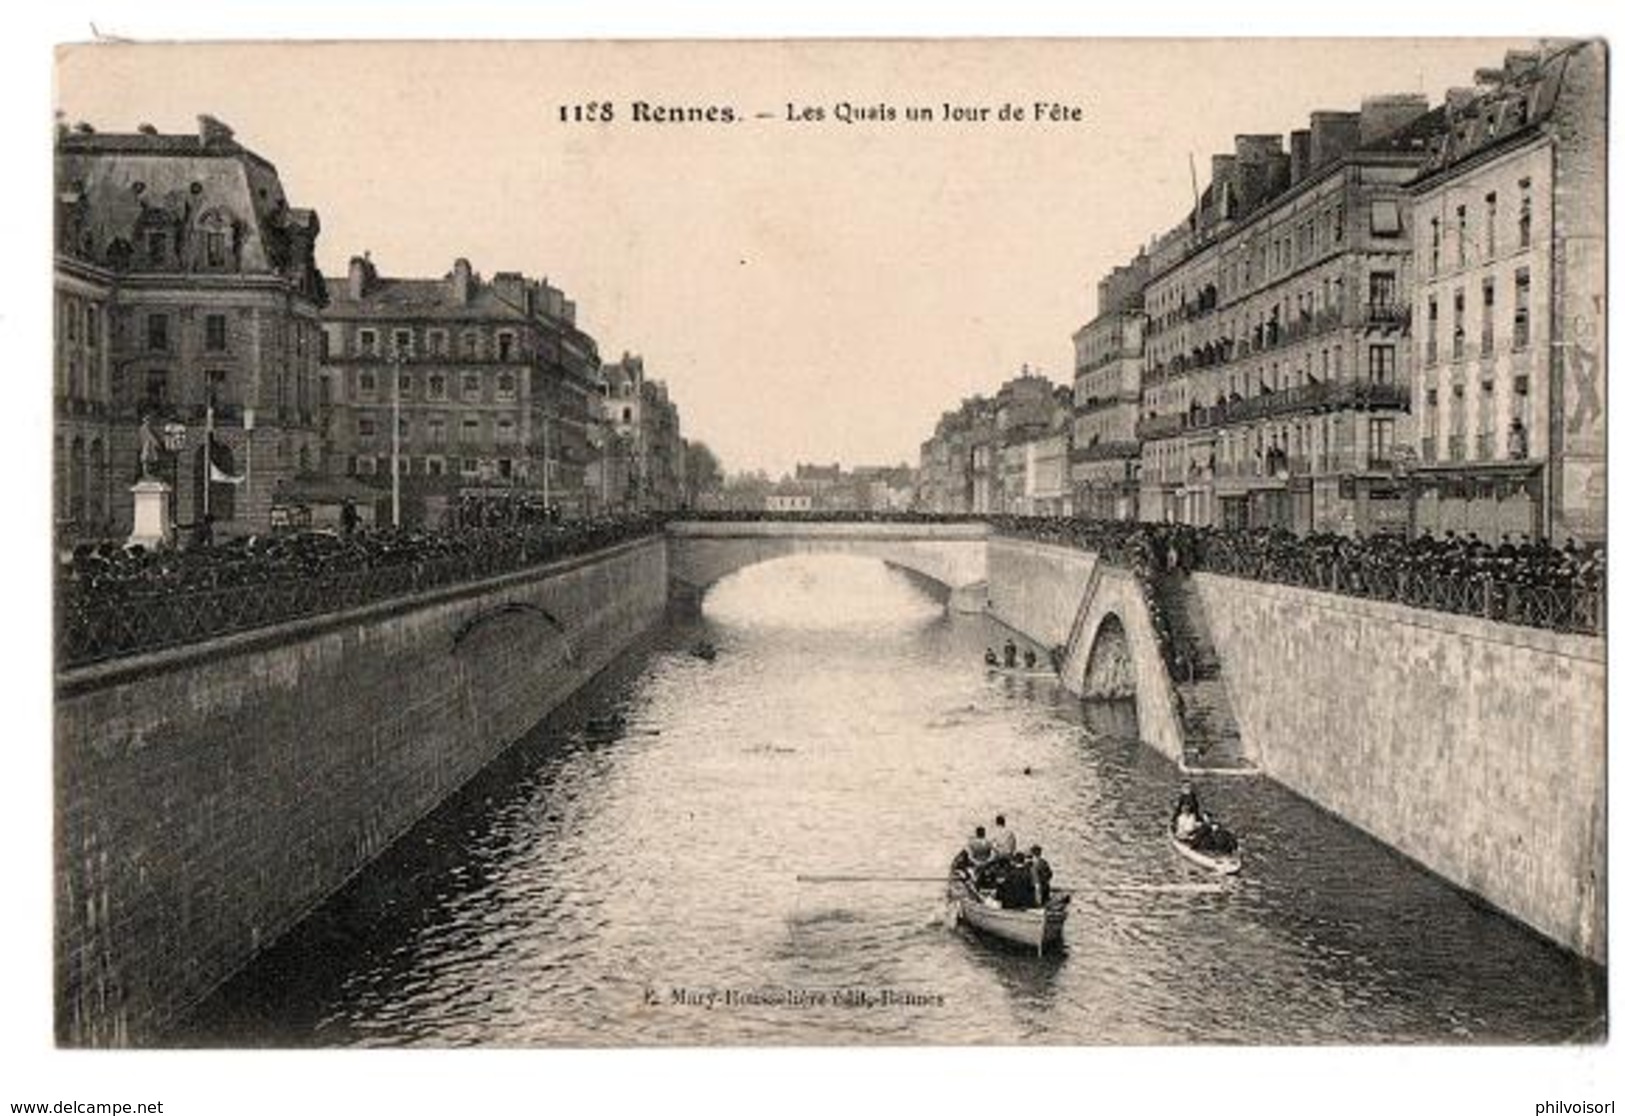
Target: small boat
[(1037, 927), (1225, 864), (1034, 671)]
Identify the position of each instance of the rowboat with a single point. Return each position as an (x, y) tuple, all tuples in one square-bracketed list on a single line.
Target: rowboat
[(1225, 864), (1037, 927)]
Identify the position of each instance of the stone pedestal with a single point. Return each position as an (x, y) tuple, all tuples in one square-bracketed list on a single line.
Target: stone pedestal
[(151, 514)]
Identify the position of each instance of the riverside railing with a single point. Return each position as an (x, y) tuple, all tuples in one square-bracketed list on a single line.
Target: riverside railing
[(114, 609)]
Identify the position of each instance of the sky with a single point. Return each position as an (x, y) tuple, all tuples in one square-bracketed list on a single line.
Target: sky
[(810, 290)]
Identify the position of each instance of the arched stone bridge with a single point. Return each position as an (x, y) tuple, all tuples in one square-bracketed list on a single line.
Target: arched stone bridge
[(953, 555)]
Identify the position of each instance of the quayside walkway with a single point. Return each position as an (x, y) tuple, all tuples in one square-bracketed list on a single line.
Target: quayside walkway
[(113, 602)]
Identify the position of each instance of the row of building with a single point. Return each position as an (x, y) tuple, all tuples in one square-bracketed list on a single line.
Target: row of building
[(830, 488), (1389, 320), (190, 305)]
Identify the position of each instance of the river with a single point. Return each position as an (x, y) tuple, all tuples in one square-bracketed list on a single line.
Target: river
[(628, 874)]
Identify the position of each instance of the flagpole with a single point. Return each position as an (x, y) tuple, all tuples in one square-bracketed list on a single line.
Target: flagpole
[(395, 446), (208, 453)]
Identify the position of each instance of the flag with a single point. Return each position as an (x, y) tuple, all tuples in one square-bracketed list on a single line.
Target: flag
[(217, 475)]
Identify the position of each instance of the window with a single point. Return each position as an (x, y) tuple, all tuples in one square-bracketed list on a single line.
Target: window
[(1433, 254), (1380, 363), (471, 387), (405, 382), (214, 248), (1520, 309), (437, 385), (434, 466), (507, 386), (504, 467), (367, 384), (471, 431), (1486, 343), (156, 387), (214, 333), (366, 465), (505, 349), (505, 432), (470, 341), (1458, 331), (470, 466), (92, 327), (1489, 225), (157, 248), (436, 427), (369, 342), (401, 343), (1383, 291), (1385, 218), (366, 428), (435, 340), (1432, 350), (1382, 443), (158, 333), (1526, 210), (1461, 236), (626, 414)]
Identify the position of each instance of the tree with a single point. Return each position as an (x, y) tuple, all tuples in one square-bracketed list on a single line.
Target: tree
[(702, 473)]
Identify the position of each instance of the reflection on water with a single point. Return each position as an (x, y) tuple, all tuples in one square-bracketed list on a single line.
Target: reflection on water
[(629, 873)]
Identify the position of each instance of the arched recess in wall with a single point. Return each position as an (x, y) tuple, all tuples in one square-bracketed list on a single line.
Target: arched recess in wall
[(1109, 669)]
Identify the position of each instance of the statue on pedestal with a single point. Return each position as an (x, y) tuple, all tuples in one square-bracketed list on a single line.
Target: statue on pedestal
[(150, 446)]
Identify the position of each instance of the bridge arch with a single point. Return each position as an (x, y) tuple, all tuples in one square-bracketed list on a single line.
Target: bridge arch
[(699, 554), (1113, 653)]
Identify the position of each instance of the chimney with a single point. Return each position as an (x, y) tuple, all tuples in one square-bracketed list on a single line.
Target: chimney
[(146, 129), (1520, 62), (1300, 155), (1332, 135), (1383, 115), (462, 282), (213, 132), (1488, 76), (1257, 149), (361, 276), (84, 129), (1458, 99)]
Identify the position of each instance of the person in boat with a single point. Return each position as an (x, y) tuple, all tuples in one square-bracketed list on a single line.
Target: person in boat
[(1189, 824), (1187, 801), (979, 854), (1030, 659), (1004, 840), (1010, 653), (990, 657), (1041, 874), (1015, 891)]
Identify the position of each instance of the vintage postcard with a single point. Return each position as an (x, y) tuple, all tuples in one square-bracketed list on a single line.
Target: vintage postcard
[(1021, 542)]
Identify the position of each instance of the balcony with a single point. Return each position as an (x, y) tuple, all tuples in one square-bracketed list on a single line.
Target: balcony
[(1159, 426), (1107, 451), (1386, 316), (1336, 395)]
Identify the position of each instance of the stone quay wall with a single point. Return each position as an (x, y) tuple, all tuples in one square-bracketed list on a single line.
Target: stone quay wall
[(208, 797), (1475, 748)]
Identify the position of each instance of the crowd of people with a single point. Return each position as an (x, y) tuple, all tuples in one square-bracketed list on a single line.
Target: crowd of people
[(994, 862), (1519, 581), (114, 600)]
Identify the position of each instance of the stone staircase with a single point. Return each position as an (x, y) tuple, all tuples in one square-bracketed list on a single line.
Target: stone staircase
[(1212, 737)]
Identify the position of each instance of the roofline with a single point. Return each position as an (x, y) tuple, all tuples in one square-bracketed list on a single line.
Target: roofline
[(1358, 158)]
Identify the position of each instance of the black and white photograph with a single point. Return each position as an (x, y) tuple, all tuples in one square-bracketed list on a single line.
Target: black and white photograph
[(835, 543)]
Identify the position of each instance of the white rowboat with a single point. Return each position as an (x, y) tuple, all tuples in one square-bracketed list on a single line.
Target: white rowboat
[(1225, 864), (1037, 927)]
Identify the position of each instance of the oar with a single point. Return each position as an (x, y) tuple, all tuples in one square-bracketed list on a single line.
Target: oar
[(1206, 888)]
